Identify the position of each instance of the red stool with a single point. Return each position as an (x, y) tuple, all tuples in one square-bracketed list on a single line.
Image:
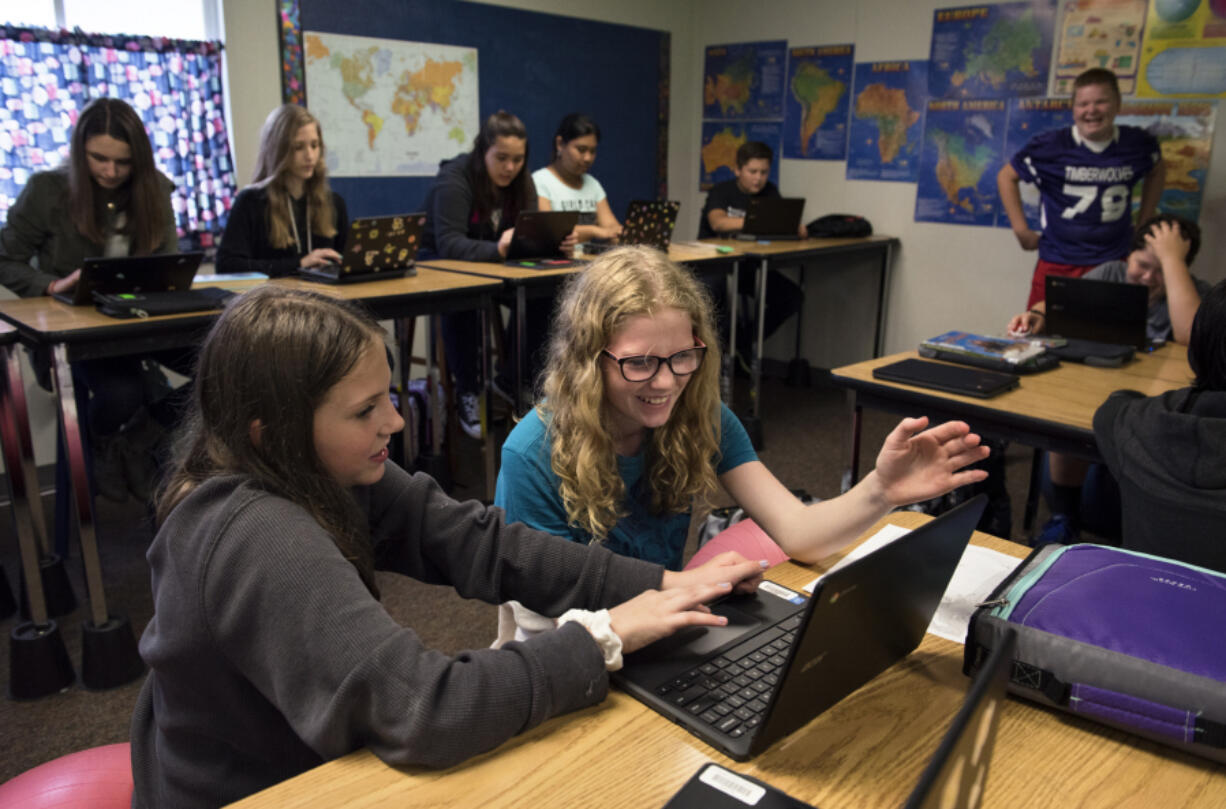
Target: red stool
[(97, 778), (744, 537)]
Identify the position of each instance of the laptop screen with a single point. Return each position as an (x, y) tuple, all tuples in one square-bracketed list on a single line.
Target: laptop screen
[(1102, 311)]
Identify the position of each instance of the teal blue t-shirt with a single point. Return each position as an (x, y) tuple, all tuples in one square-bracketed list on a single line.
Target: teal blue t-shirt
[(529, 492)]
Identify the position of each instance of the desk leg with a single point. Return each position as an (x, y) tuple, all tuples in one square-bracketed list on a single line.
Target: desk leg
[(436, 389), (852, 474), (882, 291), (29, 469), (1032, 493), (11, 414), (82, 497), (487, 432), (755, 397), (521, 339), (728, 366), (405, 326)]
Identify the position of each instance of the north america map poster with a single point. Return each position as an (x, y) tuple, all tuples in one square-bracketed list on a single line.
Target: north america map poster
[(887, 121), (721, 139), (816, 106), (991, 51), (963, 148), (744, 81)]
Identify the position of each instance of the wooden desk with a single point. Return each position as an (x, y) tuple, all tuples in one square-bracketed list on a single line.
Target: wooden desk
[(866, 751), (75, 333)]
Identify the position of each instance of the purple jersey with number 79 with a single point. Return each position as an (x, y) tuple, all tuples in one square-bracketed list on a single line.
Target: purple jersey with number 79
[(1086, 196)]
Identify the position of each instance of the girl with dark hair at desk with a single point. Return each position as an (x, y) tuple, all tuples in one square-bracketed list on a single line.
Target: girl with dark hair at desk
[(470, 216), (288, 217), (567, 185), (269, 652), (109, 199), (1168, 452)]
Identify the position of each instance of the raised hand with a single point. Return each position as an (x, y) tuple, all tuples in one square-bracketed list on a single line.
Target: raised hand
[(917, 464)]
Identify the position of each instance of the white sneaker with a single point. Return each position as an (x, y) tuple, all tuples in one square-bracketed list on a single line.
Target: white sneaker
[(470, 414)]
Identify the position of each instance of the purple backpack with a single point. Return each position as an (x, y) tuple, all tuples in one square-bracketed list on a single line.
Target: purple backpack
[(1124, 638)]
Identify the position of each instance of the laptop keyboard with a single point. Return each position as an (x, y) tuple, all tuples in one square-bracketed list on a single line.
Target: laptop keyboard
[(731, 691)]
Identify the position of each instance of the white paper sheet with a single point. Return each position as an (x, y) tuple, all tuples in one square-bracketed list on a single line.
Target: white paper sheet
[(977, 574)]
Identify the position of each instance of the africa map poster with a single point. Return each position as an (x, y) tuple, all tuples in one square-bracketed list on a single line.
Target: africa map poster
[(818, 89), (390, 107), (997, 51), (744, 81), (721, 139), (887, 122), (1027, 118), (962, 152)]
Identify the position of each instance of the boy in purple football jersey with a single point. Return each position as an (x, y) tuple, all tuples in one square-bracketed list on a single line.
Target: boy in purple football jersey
[(1085, 175)]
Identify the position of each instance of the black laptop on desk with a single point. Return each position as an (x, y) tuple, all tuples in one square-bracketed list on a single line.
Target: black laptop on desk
[(782, 660), (955, 777), (1101, 311), (773, 218), (378, 248), (164, 272), (538, 238)]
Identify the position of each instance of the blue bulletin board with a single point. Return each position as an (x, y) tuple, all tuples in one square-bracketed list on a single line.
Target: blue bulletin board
[(537, 66)]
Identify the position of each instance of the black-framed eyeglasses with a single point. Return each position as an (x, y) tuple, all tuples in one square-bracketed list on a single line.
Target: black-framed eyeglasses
[(644, 367)]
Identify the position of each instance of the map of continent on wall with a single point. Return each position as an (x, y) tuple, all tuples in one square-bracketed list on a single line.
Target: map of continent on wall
[(390, 107), (1184, 130), (962, 152), (997, 51), (818, 92), (887, 121), (721, 139), (744, 81), (1027, 118), (1100, 33)]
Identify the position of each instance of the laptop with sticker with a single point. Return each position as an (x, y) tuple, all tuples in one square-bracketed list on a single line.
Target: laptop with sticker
[(378, 248), (781, 660), (955, 777)]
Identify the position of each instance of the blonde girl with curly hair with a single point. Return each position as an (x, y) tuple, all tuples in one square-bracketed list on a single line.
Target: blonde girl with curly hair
[(631, 436)]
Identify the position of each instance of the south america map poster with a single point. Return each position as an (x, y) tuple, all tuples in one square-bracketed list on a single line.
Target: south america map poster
[(817, 102), (963, 148), (887, 121)]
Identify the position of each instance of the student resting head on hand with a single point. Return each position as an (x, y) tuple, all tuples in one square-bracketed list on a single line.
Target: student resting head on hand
[(631, 433), (288, 217), (269, 651)]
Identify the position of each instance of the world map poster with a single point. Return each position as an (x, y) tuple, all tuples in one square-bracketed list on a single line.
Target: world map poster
[(390, 107), (744, 81), (818, 93), (721, 139), (997, 51), (887, 121), (963, 147)]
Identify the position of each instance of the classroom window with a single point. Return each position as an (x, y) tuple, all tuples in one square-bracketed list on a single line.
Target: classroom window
[(48, 74)]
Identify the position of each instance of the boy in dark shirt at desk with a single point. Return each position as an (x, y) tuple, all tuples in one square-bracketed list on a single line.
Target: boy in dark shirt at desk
[(724, 215)]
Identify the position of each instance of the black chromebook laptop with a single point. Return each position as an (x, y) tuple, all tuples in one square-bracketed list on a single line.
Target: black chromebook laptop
[(782, 660), (773, 218), (378, 248), (1102, 311), (165, 272), (538, 238), (955, 777)]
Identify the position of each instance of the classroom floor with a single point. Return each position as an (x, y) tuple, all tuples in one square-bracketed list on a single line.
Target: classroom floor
[(805, 433)]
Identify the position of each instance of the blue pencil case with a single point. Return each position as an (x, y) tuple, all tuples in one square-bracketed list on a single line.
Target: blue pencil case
[(1126, 639)]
